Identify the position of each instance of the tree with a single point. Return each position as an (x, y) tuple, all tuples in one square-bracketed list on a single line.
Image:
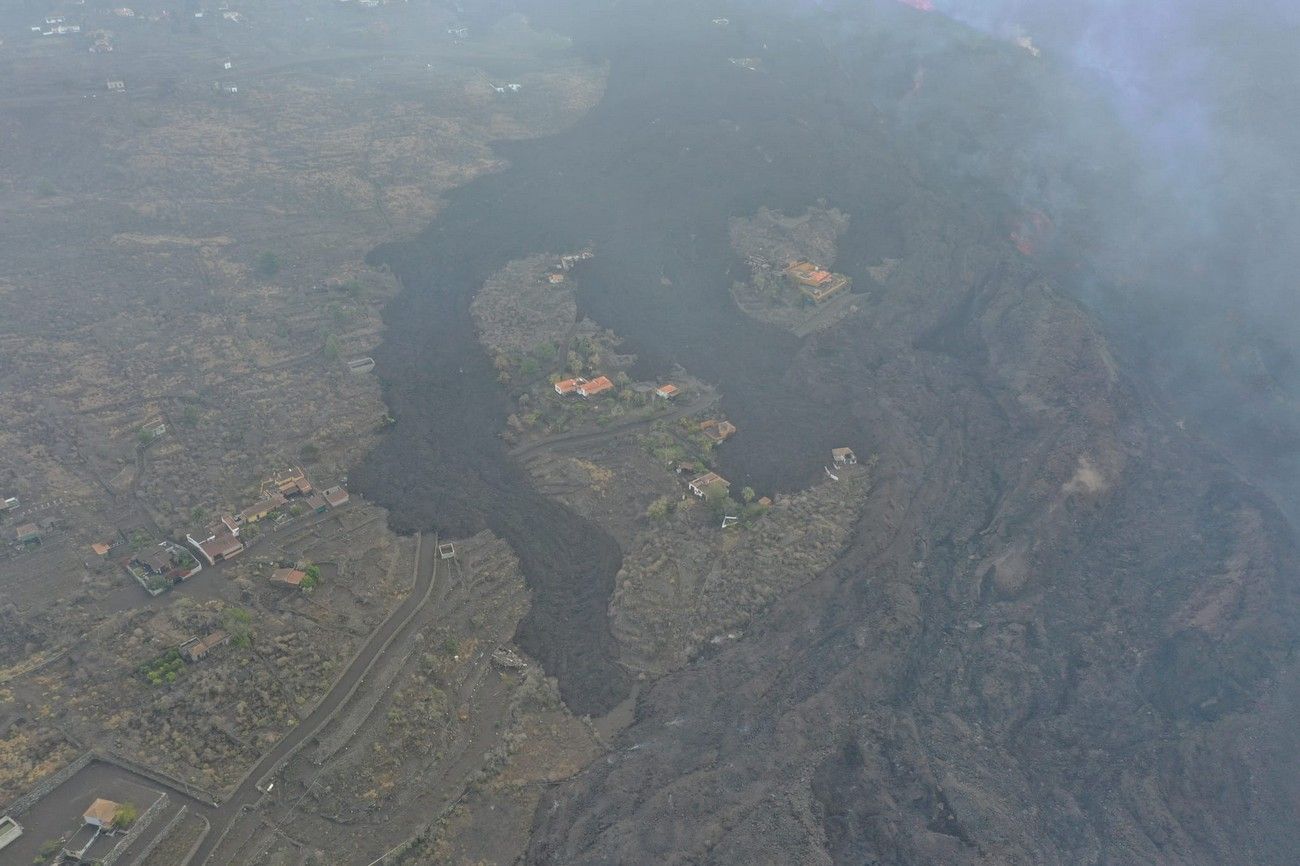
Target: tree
[(748, 494), (718, 498), (332, 347), (309, 452), (197, 514), (127, 812), (190, 415), (237, 621), (660, 508), (268, 265)]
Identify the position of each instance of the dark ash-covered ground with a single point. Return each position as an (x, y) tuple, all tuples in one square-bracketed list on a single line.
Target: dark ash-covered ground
[(1064, 630)]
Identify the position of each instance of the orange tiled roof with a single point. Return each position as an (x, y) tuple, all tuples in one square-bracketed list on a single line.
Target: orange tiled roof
[(102, 811), (596, 386)]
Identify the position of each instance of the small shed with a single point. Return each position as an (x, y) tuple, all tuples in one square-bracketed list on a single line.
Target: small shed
[(10, 830), (844, 457), (288, 576)]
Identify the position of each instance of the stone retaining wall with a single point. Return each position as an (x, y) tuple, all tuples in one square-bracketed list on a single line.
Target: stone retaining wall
[(141, 824), (48, 784), (162, 834)]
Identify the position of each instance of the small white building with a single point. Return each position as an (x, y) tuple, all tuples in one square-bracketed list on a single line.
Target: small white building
[(10, 830), (701, 485)]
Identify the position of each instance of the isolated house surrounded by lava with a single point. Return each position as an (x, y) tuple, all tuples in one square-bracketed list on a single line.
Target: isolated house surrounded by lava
[(815, 283)]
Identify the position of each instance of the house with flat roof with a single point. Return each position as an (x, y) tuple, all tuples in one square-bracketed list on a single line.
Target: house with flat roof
[(10, 830), (218, 546), (702, 484), (598, 385), (155, 560), (844, 457)]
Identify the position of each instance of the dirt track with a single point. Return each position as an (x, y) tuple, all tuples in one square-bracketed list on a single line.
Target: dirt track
[(248, 791)]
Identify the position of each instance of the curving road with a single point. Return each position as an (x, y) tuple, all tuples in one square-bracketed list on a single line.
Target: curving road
[(248, 793)]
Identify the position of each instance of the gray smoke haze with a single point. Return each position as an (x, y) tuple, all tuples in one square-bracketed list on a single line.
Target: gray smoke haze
[(1189, 226)]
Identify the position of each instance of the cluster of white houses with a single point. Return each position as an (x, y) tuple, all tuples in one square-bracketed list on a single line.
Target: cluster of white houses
[(223, 540)]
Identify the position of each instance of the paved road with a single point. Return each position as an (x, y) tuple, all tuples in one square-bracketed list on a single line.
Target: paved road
[(247, 793), (561, 440)]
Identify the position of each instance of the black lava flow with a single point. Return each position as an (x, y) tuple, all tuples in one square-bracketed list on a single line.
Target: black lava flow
[(681, 141)]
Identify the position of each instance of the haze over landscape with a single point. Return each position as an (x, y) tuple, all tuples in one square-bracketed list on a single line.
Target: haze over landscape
[(573, 431)]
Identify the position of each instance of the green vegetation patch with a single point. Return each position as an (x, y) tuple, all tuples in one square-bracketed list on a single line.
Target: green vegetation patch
[(163, 670)]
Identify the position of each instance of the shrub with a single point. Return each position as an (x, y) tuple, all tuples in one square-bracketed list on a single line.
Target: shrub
[(125, 817), (236, 621), (163, 669)]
